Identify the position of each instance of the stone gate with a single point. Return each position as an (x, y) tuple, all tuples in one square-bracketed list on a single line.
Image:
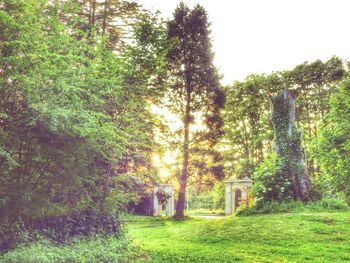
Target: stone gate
[(236, 191)]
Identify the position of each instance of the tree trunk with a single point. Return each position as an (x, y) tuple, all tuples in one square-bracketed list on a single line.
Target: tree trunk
[(104, 23), (93, 13), (184, 174), (287, 144)]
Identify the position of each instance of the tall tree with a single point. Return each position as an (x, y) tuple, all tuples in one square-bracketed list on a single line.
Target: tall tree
[(194, 82)]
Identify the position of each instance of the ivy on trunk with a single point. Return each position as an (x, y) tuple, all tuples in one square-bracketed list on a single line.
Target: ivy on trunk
[(290, 156)]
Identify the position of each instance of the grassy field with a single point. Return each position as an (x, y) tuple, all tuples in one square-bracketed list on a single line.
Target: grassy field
[(289, 237)]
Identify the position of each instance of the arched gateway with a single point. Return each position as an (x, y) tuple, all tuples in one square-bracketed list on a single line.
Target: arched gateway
[(236, 191)]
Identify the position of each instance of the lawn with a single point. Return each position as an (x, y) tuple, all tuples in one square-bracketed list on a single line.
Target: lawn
[(288, 237)]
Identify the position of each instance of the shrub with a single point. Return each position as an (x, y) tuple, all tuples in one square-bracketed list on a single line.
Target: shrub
[(325, 204), (270, 184), (59, 229), (336, 202)]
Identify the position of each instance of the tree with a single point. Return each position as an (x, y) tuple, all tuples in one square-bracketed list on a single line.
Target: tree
[(332, 147), (194, 83), (288, 148), (75, 130), (110, 18), (283, 176)]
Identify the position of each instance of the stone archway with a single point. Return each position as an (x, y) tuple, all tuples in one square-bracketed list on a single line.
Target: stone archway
[(235, 191), (169, 204)]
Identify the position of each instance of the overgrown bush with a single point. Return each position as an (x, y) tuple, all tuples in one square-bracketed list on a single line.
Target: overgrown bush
[(269, 182), (59, 229)]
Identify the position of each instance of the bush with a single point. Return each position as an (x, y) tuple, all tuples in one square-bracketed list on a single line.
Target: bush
[(330, 203), (270, 184), (325, 204), (59, 229), (331, 147)]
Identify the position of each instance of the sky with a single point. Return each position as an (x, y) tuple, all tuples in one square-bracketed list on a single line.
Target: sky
[(262, 36)]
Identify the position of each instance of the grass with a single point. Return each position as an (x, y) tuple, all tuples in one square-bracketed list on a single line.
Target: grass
[(288, 237), (87, 250)]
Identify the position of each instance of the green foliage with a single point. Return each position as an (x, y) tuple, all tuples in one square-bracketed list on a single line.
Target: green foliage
[(330, 203), (325, 204), (210, 202), (331, 147), (75, 128), (275, 207), (59, 229), (270, 181), (205, 200), (93, 249), (219, 195)]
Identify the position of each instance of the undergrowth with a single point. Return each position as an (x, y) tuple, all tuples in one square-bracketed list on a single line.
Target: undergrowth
[(93, 249), (325, 204)]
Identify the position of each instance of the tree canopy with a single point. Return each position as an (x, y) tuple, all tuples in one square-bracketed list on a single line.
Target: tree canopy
[(75, 130)]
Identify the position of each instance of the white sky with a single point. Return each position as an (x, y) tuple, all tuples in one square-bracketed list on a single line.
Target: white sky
[(261, 36)]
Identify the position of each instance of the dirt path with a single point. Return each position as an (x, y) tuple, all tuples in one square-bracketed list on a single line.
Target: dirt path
[(207, 216)]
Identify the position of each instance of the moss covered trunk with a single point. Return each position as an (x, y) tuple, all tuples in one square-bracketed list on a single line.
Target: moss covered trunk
[(288, 147)]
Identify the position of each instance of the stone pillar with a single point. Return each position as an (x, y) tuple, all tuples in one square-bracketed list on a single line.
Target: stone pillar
[(171, 202), (229, 201), (157, 208), (243, 195)]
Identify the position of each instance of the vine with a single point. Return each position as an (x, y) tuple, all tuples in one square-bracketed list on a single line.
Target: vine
[(284, 175), (162, 196)]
